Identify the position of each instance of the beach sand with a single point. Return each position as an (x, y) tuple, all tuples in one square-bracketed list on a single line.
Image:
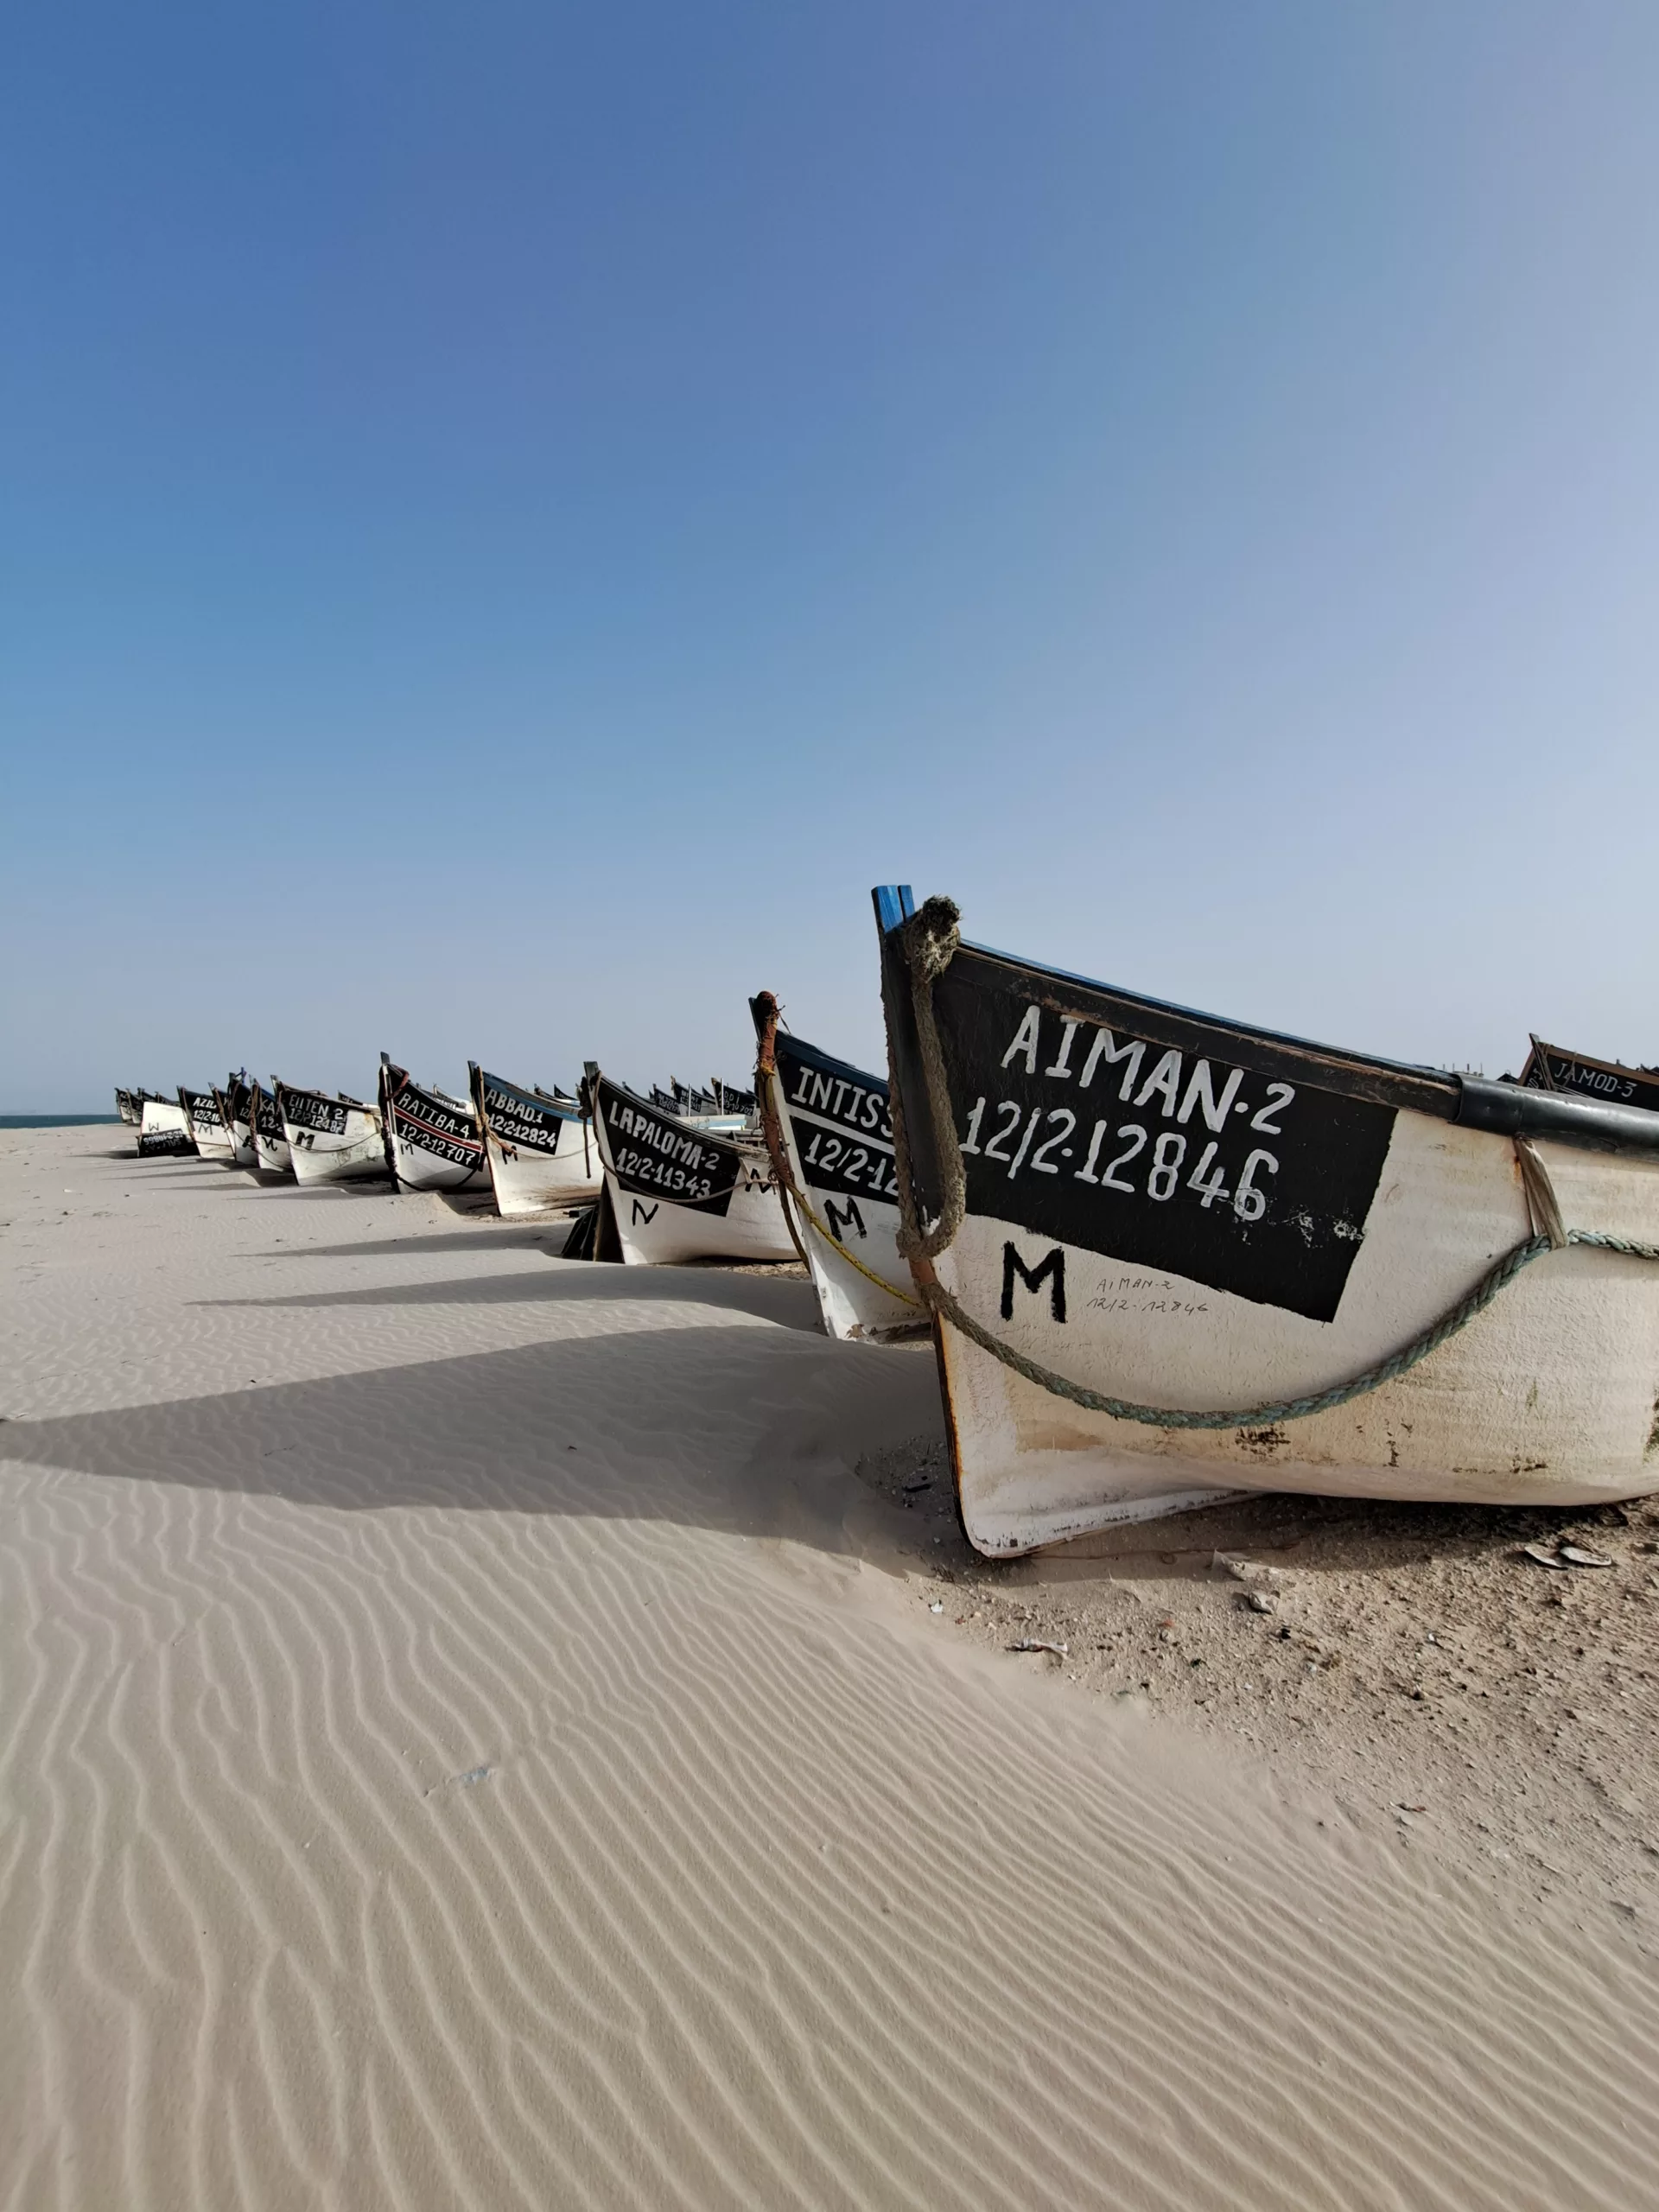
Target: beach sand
[(476, 1730)]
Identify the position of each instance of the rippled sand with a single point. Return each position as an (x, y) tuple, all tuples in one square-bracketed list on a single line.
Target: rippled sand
[(464, 1740)]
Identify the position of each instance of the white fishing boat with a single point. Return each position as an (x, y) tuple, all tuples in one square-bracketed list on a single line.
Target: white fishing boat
[(829, 1136), (540, 1145), (129, 1109), (235, 1103), (272, 1156), (675, 1191), (1170, 1255), (336, 1140), (164, 1130), (212, 1138), (433, 1139)]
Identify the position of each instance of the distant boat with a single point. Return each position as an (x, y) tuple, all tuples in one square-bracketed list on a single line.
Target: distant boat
[(830, 1135), (337, 1140), (1548, 1068), (212, 1139), (540, 1145), (132, 1112), (235, 1110), (433, 1138), (677, 1192), (164, 1130), (272, 1155), (722, 1106), (1225, 1259)]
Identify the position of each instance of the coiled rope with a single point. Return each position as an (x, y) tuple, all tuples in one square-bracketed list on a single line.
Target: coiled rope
[(928, 941)]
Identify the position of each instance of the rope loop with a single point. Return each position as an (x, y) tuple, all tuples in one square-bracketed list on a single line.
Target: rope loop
[(928, 942)]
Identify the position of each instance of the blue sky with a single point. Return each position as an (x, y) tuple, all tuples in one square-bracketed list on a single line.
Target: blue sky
[(512, 519)]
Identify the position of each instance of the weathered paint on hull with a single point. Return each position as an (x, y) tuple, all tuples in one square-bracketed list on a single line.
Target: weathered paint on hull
[(272, 1155), (358, 1157), (164, 1130), (333, 1140), (538, 1182), (1546, 1398), (657, 1233), (213, 1142), (420, 1170)]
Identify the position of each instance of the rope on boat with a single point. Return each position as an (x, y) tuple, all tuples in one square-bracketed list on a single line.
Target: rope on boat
[(928, 941), (772, 1127)]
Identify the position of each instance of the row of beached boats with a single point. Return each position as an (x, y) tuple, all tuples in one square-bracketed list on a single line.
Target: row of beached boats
[(1162, 1257), (534, 1150)]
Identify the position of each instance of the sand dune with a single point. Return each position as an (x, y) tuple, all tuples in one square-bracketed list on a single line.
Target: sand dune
[(466, 1738)]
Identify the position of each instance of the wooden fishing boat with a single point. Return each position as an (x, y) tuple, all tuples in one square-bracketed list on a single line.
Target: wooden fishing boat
[(164, 1130), (212, 1139), (271, 1155), (1548, 1068), (235, 1103), (337, 1140), (433, 1140), (677, 1192), (829, 1137), (129, 1111), (540, 1147), (1170, 1254)]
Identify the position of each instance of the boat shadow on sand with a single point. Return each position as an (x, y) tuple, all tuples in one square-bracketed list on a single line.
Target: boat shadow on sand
[(522, 1236), (754, 1430), (790, 1301)]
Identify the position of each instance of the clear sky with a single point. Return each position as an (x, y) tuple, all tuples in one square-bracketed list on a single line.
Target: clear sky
[(513, 516)]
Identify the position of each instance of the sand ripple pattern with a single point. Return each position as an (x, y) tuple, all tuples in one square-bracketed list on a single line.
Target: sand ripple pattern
[(492, 1780)]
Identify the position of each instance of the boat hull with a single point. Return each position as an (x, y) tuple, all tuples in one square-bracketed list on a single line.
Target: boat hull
[(271, 1155), (212, 1139), (332, 1140), (164, 1131), (837, 1134), (679, 1192), (234, 1107), (541, 1155), (1180, 1276), (433, 1138)]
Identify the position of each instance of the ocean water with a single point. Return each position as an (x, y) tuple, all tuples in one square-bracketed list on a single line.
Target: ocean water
[(58, 1121)]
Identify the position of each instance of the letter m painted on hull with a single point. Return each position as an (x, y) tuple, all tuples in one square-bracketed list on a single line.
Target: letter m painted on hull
[(841, 1223), (1050, 1271)]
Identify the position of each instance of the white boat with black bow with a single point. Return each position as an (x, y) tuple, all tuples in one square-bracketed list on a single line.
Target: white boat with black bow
[(271, 1155), (1170, 1254), (830, 1136), (207, 1129), (434, 1141), (540, 1145), (331, 1140), (676, 1190)]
